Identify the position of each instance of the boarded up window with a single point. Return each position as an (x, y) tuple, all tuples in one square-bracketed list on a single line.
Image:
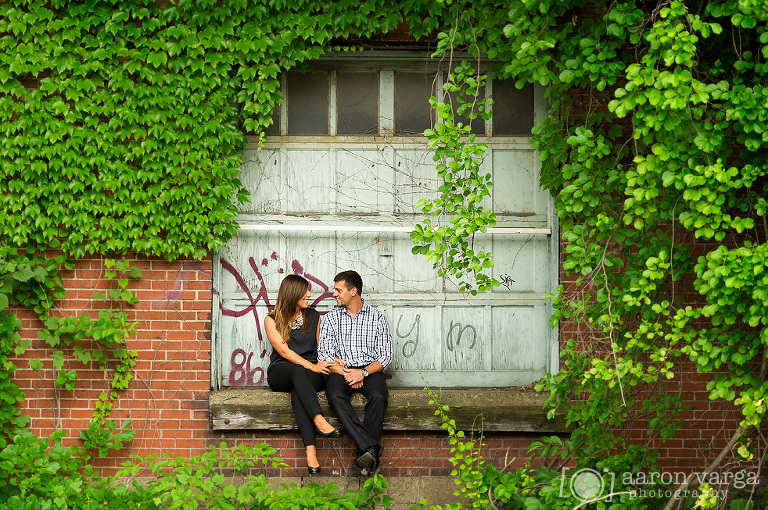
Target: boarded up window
[(512, 109), (349, 202), (318, 211), (357, 100), (308, 105), (413, 114)]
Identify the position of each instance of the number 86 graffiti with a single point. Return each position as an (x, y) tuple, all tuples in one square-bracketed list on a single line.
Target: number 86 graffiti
[(241, 374)]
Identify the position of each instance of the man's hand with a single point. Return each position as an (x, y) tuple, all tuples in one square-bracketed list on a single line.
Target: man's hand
[(354, 377)]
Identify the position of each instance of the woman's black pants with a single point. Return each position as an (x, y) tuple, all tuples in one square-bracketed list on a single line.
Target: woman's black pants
[(303, 384)]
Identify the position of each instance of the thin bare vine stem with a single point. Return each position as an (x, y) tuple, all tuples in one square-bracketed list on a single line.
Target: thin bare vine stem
[(601, 498), (610, 319), (720, 456)]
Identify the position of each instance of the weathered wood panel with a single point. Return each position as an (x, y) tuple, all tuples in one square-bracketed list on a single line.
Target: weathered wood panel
[(465, 337), (441, 337), (414, 343), (516, 189)]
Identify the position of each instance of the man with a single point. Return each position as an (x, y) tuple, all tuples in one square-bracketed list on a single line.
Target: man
[(357, 336)]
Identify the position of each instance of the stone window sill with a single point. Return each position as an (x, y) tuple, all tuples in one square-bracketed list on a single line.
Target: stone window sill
[(503, 410)]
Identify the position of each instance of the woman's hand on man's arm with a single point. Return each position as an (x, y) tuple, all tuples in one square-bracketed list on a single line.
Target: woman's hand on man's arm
[(323, 367), (337, 366)]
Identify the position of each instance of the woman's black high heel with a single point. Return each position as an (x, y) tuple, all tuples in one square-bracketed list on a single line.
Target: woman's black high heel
[(314, 470), (334, 433)]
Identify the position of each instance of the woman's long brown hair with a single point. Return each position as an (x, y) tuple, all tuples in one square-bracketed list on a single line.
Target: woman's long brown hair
[(292, 289)]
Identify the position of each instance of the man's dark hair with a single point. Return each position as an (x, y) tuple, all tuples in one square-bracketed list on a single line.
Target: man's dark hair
[(351, 279)]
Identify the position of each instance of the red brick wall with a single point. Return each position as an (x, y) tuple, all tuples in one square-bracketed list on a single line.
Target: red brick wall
[(167, 402)]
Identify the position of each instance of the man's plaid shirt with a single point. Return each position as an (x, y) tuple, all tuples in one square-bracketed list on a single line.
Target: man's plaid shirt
[(358, 340)]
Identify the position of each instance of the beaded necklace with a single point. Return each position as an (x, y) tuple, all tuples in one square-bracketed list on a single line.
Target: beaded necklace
[(299, 322)]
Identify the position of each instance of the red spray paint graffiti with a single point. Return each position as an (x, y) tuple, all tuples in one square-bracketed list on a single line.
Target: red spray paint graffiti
[(180, 281), (241, 372)]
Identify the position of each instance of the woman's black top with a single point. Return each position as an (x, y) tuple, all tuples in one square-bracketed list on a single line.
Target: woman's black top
[(303, 343)]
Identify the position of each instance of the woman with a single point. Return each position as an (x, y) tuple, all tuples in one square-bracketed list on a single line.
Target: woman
[(292, 329)]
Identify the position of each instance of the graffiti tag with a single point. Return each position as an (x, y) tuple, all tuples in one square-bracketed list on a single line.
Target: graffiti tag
[(507, 281), (241, 372), (449, 341), (411, 345)]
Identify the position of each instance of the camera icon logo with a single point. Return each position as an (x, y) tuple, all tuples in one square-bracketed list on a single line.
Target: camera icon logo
[(586, 484)]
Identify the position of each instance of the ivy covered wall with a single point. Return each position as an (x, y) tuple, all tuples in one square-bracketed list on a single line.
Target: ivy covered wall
[(122, 121)]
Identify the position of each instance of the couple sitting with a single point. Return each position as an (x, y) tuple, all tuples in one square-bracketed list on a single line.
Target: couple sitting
[(346, 352)]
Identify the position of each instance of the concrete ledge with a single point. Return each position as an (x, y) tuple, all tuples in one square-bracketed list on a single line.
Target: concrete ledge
[(503, 410)]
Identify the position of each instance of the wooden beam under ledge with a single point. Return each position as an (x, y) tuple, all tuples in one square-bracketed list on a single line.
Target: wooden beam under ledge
[(502, 410)]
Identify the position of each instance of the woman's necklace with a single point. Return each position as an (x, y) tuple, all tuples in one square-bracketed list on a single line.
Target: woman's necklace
[(299, 322)]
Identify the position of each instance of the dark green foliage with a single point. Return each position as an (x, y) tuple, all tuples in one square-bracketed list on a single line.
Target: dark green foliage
[(655, 150), (655, 144)]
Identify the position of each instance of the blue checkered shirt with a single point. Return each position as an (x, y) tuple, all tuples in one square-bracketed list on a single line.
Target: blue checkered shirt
[(358, 340)]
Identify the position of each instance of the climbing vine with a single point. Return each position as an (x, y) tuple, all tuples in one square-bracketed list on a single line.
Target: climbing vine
[(30, 280), (123, 120), (450, 245), (459, 212), (655, 148)]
